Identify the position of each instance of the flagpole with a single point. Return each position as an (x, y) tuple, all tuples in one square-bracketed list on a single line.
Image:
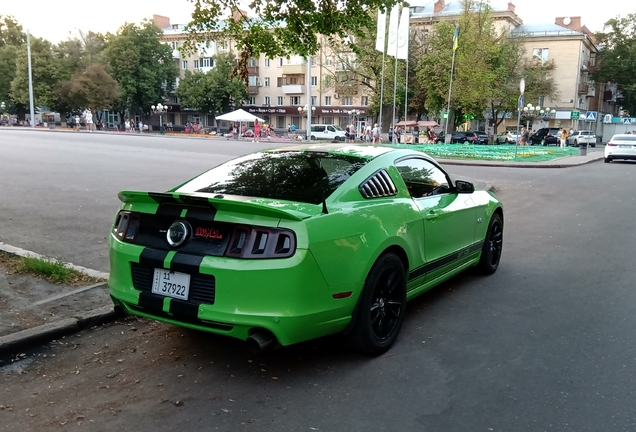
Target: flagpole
[(382, 85), (450, 87), (406, 91)]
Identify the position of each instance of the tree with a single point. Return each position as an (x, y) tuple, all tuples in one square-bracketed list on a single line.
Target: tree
[(94, 88), (281, 27), (45, 73), (12, 39), (142, 66), (617, 58), (215, 91)]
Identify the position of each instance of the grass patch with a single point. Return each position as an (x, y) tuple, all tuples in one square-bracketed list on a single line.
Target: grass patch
[(50, 270), (491, 152)]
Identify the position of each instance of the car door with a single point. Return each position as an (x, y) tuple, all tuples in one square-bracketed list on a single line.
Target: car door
[(449, 217)]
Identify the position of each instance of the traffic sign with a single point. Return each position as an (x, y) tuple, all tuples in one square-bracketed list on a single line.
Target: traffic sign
[(445, 115), (575, 115), (627, 121), (590, 116)]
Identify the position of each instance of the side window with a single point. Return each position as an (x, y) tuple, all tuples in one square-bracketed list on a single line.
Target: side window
[(331, 128), (422, 178), (320, 129)]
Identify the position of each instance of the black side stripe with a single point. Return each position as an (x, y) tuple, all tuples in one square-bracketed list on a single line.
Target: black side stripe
[(153, 257), (441, 262)]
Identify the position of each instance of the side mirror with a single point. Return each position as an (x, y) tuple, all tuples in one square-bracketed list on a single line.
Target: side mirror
[(464, 186)]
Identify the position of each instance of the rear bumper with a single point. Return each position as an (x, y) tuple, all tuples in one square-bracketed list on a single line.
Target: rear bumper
[(288, 297)]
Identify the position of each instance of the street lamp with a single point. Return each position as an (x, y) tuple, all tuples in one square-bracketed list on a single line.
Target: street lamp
[(303, 110), (159, 109)]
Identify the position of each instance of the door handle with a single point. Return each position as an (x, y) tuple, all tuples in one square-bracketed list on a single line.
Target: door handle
[(431, 215)]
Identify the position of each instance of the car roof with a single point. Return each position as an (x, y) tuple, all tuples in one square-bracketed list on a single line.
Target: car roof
[(364, 152), (619, 137)]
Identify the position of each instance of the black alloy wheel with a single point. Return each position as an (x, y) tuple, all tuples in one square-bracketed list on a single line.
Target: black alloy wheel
[(381, 307), (493, 246)]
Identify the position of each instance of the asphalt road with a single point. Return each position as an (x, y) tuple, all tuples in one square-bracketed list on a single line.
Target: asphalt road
[(545, 344)]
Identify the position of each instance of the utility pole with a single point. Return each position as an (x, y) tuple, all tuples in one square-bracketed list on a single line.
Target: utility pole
[(32, 110)]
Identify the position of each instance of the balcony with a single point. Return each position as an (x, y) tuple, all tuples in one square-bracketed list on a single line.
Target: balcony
[(584, 88), (253, 89), (176, 54), (346, 89), (293, 89), (292, 69), (252, 70)]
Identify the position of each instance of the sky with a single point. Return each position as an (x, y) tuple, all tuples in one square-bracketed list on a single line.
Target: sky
[(58, 23)]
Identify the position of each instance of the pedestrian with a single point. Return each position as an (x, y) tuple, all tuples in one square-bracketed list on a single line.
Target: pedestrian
[(430, 135), (396, 134), (288, 128), (352, 133), (257, 131), (564, 138), (88, 117), (293, 127), (77, 122), (523, 138), (367, 134), (141, 126), (376, 134)]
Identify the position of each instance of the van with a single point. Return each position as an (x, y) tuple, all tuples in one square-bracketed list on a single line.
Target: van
[(327, 131)]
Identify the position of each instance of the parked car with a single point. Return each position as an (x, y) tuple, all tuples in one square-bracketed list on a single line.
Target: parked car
[(621, 146), (545, 136), (482, 137), (582, 137), (327, 131), (508, 137), (286, 245)]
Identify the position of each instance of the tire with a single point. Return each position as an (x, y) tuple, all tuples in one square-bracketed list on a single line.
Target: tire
[(381, 307), (607, 160), (593, 145), (576, 142), (493, 244), (313, 138), (466, 142)]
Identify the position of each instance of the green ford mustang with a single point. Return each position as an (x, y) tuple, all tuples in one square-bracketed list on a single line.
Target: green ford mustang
[(286, 245)]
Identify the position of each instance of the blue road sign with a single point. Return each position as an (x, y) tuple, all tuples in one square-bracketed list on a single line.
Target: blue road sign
[(590, 116), (627, 121)]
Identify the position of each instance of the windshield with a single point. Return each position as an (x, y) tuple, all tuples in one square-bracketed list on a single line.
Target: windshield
[(336, 127), (308, 177)]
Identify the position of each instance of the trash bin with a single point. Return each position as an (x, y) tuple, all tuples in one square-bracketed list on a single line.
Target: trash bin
[(51, 125), (582, 149)]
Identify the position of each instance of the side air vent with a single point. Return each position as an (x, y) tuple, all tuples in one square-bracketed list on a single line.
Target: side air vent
[(378, 185)]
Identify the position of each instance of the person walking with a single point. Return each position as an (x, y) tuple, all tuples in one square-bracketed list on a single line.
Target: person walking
[(564, 138), (376, 134), (523, 137), (88, 117), (257, 131), (77, 122), (352, 133)]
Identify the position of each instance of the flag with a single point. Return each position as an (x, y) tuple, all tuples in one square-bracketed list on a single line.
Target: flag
[(456, 38), (393, 30), (380, 38), (403, 36)]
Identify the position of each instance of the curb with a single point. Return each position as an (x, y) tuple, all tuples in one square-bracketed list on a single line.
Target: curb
[(45, 333), (518, 164)]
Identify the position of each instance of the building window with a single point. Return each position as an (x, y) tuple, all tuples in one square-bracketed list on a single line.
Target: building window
[(266, 81), (196, 64), (295, 120), (540, 54), (251, 100), (206, 62), (266, 62), (541, 101), (267, 100), (364, 100), (280, 61), (252, 62), (184, 64), (173, 100), (280, 122), (327, 61), (294, 100), (347, 100), (314, 81), (280, 100), (313, 101), (252, 80), (327, 120), (175, 45), (327, 100)]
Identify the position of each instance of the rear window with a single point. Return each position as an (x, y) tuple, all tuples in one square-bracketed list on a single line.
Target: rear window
[(630, 138), (306, 177)]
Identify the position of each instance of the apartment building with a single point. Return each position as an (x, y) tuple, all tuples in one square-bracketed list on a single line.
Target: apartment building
[(277, 87)]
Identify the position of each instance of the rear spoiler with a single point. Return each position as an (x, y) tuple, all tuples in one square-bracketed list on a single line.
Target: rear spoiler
[(265, 208)]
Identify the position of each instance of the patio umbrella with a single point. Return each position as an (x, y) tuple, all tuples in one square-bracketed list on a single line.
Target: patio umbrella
[(239, 116)]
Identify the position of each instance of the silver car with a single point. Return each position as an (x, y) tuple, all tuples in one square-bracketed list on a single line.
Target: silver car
[(621, 146)]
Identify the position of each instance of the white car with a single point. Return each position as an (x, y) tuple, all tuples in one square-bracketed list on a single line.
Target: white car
[(509, 137), (327, 131), (621, 146), (582, 137)]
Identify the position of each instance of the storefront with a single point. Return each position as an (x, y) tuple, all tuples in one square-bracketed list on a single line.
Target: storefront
[(282, 116)]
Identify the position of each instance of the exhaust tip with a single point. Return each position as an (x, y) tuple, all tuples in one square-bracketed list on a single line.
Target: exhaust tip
[(260, 341)]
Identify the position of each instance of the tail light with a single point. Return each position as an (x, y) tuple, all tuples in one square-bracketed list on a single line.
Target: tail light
[(126, 225), (259, 242), (611, 144)]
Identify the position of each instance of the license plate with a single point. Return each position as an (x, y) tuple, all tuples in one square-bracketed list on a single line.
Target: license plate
[(624, 146), (171, 284)]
